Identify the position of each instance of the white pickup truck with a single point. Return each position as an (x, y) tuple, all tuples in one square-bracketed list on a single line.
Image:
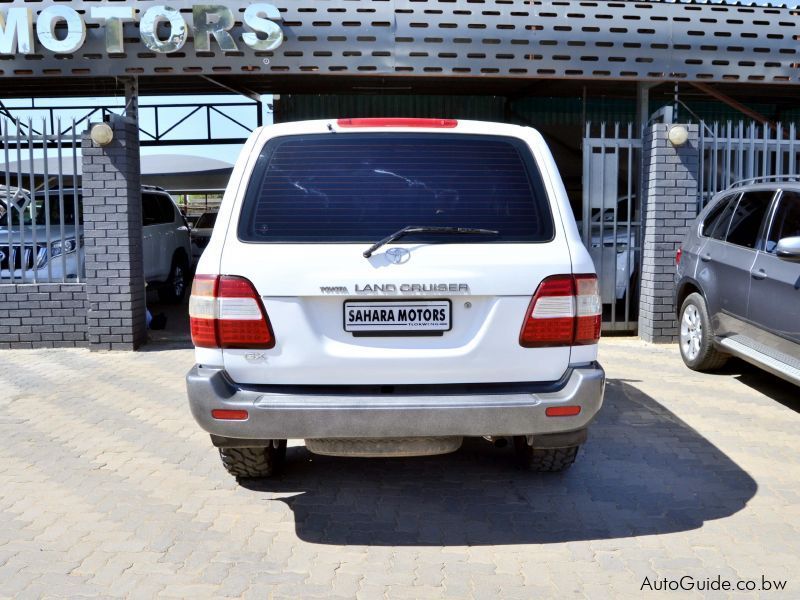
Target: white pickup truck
[(385, 287)]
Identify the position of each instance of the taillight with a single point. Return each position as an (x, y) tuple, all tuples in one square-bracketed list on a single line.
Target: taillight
[(226, 312), (398, 122), (678, 255), (551, 315), (203, 311), (589, 310), (564, 311)]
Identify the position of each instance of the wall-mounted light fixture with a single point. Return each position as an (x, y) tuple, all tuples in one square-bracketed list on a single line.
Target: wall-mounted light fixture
[(102, 134), (678, 135)]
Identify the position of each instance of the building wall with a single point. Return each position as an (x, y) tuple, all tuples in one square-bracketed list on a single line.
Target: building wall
[(51, 315)]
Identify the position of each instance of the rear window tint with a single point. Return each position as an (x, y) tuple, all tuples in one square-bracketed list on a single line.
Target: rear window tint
[(363, 187)]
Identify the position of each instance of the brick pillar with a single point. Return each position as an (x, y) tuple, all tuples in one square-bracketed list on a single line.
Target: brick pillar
[(669, 206), (112, 209)]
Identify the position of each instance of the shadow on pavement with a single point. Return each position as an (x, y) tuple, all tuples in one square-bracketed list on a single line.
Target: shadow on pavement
[(642, 472), (770, 385)]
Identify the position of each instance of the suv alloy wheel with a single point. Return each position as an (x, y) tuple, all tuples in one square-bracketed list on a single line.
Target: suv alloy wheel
[(697, 349)]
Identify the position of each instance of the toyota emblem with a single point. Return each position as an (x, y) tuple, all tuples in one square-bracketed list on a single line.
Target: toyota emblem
[(397, 256)]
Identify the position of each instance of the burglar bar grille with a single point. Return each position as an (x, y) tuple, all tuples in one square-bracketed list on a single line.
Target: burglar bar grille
[(41, 238), (610, 222), (732, 152)]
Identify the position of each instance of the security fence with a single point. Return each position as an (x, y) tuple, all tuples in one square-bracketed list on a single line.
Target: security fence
[(41, 233), (733, 152), (611, 218), (611, 225)]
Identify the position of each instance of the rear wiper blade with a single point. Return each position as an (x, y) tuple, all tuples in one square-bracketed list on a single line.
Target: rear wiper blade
[(423, 229)]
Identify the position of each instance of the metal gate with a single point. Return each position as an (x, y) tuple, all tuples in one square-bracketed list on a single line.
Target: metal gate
[(41, 238), (734, 152), (610, 224)]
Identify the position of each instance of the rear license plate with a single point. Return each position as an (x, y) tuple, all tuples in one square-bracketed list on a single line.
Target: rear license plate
[(397, 317)]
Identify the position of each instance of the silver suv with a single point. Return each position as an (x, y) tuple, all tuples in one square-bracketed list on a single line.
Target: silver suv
[(738, 279), (385, 287)]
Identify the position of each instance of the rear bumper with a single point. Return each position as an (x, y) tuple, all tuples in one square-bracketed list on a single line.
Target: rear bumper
[(307, 412)]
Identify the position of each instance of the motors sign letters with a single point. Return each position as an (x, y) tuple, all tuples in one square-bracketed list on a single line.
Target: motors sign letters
[(62, 30)]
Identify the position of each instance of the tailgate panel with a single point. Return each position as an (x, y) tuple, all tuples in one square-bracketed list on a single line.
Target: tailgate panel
[(313, 348), (495, 283)]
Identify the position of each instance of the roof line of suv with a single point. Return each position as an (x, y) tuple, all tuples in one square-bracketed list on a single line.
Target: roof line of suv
[(765, 179)]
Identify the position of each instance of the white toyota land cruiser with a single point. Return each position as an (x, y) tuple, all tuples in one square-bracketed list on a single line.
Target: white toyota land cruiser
[(385, 287)]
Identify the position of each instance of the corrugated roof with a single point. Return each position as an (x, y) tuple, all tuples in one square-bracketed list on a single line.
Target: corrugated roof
[(761, 3)]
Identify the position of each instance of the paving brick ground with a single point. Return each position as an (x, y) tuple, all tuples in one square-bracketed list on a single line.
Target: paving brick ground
[(108, 488)]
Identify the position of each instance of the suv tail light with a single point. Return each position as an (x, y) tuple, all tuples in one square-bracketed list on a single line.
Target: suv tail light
[(564, 311), (225, 311), (678, 255)]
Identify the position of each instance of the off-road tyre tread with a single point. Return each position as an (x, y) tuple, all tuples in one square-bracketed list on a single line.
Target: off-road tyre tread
[(544, 460), (709, 358), (247, 463)]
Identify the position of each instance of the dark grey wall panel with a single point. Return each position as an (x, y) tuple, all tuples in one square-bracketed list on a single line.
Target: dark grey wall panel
[(491, 38), (48, 315)]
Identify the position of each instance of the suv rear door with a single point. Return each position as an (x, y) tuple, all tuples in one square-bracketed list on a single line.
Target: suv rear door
[(316, 202), (774, 303)]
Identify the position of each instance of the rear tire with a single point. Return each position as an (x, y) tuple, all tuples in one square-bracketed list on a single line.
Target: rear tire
[(695, 336), (174, 289), (246, 463), (543, 460)]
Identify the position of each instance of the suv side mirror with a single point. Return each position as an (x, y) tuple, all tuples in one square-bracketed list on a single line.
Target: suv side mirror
[(789, 249)]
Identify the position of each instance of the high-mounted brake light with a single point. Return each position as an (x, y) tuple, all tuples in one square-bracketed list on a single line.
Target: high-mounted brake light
[(564, 311), (226, 312), (398, 122)]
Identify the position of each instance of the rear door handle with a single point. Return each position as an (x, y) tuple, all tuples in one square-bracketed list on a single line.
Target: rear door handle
[(705, 257), (760, 274)]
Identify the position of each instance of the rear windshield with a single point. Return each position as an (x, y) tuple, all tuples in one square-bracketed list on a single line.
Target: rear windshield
[(363, 187)]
